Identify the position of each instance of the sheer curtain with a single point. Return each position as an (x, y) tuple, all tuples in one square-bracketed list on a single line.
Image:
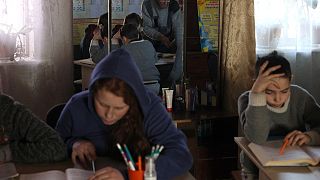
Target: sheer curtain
[(41, 74), (292, 27)]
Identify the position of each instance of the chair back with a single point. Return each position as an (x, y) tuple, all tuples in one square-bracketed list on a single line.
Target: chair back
[(54, 114)]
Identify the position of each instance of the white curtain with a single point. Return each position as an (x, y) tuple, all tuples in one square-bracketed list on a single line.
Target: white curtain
[(41, 76), (292, 27)]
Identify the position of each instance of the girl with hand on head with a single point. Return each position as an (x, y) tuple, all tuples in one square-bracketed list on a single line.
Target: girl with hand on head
[(275, 108)]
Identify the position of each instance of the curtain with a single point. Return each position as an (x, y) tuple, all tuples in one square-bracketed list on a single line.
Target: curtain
[(293, 29), (237, 52), (42, 76)]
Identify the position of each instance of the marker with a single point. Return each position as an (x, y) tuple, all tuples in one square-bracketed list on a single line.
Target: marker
[(122, 153), (130, 161), (139, 164), (284, 146)]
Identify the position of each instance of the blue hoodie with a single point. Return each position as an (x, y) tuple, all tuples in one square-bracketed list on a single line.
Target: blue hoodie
[(79, 119)]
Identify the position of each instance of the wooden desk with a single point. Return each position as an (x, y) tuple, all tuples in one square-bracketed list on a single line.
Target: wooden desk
[(87, 66), (100, 163), (275, 173)]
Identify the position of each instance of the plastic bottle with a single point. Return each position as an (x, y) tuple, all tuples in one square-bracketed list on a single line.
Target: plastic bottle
[(150, 169)]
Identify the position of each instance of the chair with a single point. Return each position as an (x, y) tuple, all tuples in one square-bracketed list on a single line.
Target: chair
[(53, 114)]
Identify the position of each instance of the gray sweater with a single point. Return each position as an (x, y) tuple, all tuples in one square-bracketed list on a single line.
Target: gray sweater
[(260, 121), (151, 31), (145, 56), (30, 139), (97, 53)]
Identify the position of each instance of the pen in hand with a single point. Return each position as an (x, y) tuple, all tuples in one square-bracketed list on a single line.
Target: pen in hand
[(93, 166), (284, 146)]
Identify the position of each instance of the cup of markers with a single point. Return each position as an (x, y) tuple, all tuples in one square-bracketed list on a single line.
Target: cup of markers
[(136, 174), (135, 170)]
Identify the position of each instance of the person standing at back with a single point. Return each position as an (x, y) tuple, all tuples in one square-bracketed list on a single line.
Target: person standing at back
[(162, 24)]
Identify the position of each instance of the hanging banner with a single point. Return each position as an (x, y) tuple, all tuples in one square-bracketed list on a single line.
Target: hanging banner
[(208, 17)]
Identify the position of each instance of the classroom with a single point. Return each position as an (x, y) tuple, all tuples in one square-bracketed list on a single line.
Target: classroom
[(197, 85)]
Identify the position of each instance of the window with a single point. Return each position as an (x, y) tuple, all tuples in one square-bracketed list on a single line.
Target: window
[(287, 25), (16, 32)]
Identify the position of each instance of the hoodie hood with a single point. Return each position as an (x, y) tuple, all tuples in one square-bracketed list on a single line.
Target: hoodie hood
[(119, 64)]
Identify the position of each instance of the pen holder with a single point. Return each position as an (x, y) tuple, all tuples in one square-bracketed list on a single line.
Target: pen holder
[(135, 175)]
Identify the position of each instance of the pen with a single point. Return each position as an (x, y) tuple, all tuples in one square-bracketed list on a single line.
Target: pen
[(93, 166), (284, 146)]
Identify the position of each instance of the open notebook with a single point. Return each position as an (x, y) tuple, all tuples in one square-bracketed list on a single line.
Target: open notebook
[(8, 170), (268, 154), (69, 174)]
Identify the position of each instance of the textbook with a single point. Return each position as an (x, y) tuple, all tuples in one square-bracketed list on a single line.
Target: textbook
[(8, 170), (269, 154), (69, 174)]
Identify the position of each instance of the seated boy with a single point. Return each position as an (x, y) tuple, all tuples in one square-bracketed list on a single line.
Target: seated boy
[(25, 138), (276, 108)]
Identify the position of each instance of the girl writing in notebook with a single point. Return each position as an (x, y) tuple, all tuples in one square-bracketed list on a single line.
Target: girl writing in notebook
[(117, 108), (276, 108)]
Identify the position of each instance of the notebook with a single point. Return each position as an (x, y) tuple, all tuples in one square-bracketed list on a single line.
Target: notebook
[(69, 174), (269, 154), (8, 170)]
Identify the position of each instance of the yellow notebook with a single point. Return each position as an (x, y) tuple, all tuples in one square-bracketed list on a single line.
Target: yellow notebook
[(269, 154)]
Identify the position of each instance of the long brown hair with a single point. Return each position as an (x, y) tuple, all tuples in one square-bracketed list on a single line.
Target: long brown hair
[(129, 130)]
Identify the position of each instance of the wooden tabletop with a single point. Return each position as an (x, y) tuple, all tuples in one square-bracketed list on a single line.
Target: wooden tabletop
[(275, 173), (62, 166)]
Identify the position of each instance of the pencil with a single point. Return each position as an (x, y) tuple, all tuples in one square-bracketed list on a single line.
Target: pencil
[(93, 166), (284, 146)]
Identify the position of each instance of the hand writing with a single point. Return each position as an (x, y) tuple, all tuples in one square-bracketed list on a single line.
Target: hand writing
[(83, 152), (107, 173), (297, 138)]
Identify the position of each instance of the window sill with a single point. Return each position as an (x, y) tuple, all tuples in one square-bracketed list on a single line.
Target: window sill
[(20, 61)]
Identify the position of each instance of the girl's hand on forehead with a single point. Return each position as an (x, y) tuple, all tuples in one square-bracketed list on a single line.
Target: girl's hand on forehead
[(265, 78)]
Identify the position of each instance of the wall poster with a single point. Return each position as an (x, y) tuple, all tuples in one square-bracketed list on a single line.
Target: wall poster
[(208, 13)]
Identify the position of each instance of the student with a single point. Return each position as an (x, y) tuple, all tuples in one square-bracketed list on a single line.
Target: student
[(86, 40), (99, 43), (276, 108), (162, 23), (25, 138), (144, 54), (135, 19), (117, 108)]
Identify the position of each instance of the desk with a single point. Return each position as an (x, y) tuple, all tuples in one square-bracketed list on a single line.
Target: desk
[(100, 163), (87, 65), (275, 173)]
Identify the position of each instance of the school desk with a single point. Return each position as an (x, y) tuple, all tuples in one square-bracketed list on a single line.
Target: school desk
[(87, 65), (100, 163), (275, 173)]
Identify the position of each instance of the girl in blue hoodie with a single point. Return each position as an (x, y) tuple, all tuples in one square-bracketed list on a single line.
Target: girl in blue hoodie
[(117, 108)]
